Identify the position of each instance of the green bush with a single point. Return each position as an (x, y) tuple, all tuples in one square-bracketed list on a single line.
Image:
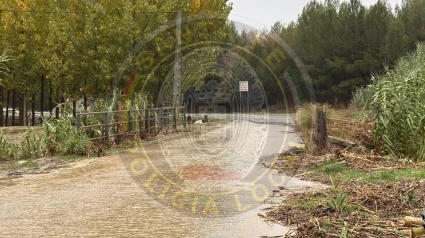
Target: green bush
[(33, 146), (304, 117), (399, 105), (363, 96), (8, 150), (62, 137)]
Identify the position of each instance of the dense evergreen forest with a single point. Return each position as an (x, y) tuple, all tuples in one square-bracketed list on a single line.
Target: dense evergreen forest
[(73, 48), (343, 43)]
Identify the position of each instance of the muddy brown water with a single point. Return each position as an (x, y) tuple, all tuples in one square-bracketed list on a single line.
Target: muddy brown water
[(103, 198)]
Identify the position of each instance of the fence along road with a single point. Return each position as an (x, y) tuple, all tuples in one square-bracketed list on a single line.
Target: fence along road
[(128, 122)]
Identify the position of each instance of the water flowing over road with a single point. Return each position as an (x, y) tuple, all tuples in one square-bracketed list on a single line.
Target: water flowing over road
[(172, 187)]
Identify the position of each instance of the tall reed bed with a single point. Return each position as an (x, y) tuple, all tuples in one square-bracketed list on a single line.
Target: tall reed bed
[(399, 105)]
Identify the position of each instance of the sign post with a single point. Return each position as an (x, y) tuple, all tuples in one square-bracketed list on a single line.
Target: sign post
[(243, 87)]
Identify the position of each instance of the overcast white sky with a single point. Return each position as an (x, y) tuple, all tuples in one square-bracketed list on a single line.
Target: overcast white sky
[(264, 13)]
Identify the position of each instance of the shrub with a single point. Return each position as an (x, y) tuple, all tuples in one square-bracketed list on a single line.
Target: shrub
[(33, 146), (304, 117), (8, 150), (59, 136), (62, 137), (363, 96)]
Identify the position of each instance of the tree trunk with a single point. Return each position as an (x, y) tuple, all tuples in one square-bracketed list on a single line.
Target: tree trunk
[(74, 109), (51, 100), (22, 111), (320, 132), (1, 106), (6, 121), (13, 107), (57, 109), (42, 97), (33, 111)]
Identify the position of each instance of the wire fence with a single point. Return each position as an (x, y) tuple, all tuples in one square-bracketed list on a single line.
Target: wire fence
[(144, 122)]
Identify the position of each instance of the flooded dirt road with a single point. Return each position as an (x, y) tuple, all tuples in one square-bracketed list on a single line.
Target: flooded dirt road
[(120, 195)]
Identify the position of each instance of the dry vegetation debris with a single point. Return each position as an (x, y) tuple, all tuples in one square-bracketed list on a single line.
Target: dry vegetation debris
[(370, 210)]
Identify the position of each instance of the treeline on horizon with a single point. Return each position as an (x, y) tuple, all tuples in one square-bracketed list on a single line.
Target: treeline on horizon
[(342, 43)]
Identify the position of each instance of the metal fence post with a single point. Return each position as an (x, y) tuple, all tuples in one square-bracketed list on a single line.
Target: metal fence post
[(78, 120), (146, 119), (129, 129), (159, 115), (140, 124), (175, 118), (107, 125), (184, 118)]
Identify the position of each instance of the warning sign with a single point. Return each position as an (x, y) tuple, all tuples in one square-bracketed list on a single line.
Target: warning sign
[(243, 86)]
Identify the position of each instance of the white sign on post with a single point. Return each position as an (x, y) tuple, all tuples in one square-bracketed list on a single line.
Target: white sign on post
[(243, 86)]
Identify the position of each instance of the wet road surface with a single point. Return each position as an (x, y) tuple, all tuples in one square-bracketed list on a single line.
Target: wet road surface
[(194, 184)]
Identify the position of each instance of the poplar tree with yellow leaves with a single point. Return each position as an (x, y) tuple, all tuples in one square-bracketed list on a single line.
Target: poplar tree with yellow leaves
[(77, 48)]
